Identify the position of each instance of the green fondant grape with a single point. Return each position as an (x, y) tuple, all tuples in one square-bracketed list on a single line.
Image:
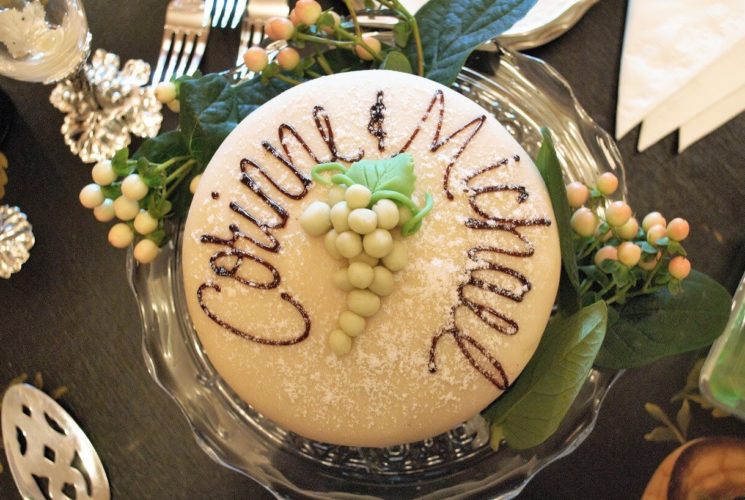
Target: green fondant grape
[(339, 342), (363, 302), (367, 259), (340, 216), (315, 218), (363, 220), (341, 280), (360, 274), (397, 258), (378, 244), (357, 196), (404, 215), (352, 324), (349, 244), (336, 194), (382, 283), (387, 213), (329, 241)]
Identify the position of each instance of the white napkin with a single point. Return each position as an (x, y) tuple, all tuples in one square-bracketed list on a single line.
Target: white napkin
[(711, 119), (667, 44)]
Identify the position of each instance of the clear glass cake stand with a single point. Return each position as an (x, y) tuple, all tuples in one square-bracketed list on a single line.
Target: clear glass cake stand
[(524, 94)]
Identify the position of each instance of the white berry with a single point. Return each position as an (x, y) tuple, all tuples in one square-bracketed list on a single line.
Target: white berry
[(126, 208), (194, 183), (121, 235), (145, 223), (103, 173), (145, 251), (105, 211), (134, 188), (91, 196)]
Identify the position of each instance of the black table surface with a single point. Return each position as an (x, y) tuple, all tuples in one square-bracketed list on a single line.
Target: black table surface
[(70, 314)]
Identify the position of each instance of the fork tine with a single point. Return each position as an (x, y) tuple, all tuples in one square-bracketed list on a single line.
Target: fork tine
[(208, 5), (239, 10), (257, 34), (178, 42), (227, 12), (196, 58), (186, 54), (165, 48), (245, 37), (219, 8)]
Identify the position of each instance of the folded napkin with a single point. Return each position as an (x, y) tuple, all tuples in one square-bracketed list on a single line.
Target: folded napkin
[(680, 58)]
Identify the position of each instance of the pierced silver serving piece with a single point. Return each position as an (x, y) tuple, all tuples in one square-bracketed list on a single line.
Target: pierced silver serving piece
[(16, 239), (49, 454)]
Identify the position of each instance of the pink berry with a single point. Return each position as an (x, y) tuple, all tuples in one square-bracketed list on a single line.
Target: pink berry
[(679, 267), (584, 222), (288, 58), (653, 219), (655, 233), (337, 22), (629, 253), (293, 17), (279, 28), (678, 229), (607, 183), (629, 230), (371, 42), (618, 213), (308, 11), (606, 253), (649, 263), (577, 194), (255, 59)]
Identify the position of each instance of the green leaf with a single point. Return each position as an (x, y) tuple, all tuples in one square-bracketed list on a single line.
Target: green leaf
[(401, 32), (683, 418), (531, 410), (389, 174), (120, 163), (452, 29), (648, 248), (396, 61), (650, 327), (660, 435), (162, 148), (550, 169)]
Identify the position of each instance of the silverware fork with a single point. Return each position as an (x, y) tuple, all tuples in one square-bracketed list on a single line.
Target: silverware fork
[(221, 10), (184, 38), (258, 13)]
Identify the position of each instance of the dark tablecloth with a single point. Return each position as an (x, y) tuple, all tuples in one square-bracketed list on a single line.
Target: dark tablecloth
[(70, 314)]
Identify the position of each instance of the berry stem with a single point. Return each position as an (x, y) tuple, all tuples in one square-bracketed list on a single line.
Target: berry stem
[(353, 16), (403, 11), (164, 166), (358, 41), (325, 41), (179, 174), (287, 79), (324, 64)]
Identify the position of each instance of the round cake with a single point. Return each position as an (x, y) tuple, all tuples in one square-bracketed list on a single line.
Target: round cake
[(456, 324)]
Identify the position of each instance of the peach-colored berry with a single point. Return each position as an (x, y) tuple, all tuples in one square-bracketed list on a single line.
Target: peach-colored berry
[(279, 28), (255, 59), (655, 233), (607, 183), (293, 17), (577, 194), (308, 11), (606, 253), (649, 263), (584, 222), (629, 253), (629, 230), (678, 229), (653, 219), (371, 42), (618, 213), (288, 58), (337, 22), (679, 267)]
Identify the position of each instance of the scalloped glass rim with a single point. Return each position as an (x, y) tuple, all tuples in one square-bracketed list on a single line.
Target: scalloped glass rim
[(524, 94)]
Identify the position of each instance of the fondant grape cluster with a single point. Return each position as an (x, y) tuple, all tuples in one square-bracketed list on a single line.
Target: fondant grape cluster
[(361, 232)]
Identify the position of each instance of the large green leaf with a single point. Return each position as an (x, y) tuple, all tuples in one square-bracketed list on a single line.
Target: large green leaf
[(534, 406), (550, 169), (389, 174), (162, 147), (452, 29), (651, 327)]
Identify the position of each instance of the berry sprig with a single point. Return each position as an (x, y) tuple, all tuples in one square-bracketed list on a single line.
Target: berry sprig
[(617, 257), (136, 192), (361, 223)]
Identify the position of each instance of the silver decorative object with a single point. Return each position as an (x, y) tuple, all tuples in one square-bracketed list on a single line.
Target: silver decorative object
[(105, 105), (16, 239), (43, 441)]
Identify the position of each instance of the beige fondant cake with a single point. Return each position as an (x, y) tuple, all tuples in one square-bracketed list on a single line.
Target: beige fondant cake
[(467, 311)]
